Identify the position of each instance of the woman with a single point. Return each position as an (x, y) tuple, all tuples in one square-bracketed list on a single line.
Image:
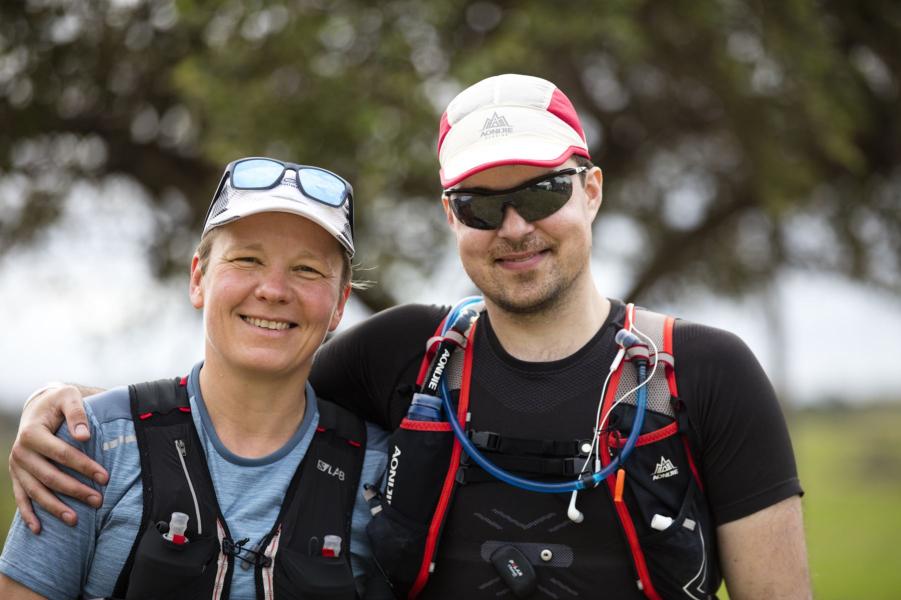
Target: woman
[(267, 475)]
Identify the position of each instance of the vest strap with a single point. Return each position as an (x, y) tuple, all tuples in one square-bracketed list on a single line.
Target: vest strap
[(495, 442)]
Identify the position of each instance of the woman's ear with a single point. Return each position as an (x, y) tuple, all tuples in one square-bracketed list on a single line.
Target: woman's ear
[(195, 287)]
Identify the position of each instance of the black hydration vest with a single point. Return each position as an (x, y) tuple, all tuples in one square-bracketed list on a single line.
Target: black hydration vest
[(290, 563), (672, 554)]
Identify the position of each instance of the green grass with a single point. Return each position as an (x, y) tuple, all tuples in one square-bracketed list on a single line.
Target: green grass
[(850, 467)]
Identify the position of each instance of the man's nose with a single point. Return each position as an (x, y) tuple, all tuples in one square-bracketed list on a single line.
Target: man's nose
[(513, 226)]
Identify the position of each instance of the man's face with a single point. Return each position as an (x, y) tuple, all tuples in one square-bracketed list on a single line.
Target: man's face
[(525, 267), (271, 292)]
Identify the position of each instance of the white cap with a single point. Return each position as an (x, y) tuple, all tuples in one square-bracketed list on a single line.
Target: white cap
[(232, 204), (507, 119)]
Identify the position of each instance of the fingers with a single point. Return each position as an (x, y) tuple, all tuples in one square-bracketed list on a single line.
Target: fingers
[(24, 487), (40, 419), (34, 477), (23, 502), (76, 418), (54, 405), (33, 450)]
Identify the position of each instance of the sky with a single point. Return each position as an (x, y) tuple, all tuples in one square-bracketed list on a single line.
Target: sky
[(81, 305)]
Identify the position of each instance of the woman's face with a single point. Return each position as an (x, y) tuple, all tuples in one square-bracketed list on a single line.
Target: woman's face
[(270, 293)]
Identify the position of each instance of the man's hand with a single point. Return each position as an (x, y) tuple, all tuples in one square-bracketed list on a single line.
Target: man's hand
[(34, 476)]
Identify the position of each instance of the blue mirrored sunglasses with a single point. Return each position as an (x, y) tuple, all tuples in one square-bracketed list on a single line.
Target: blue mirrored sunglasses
[(259, 173)]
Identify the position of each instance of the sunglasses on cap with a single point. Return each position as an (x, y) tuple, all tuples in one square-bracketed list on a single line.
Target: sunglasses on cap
[(533, 200), (266, 173)]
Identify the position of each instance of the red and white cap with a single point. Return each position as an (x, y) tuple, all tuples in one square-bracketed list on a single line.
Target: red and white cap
[(505, 120)]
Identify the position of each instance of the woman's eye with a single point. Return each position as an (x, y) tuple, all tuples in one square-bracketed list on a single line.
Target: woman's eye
[(307, 271), (247, 259)]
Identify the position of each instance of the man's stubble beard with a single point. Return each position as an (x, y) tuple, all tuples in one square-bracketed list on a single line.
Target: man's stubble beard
[(552, 293)]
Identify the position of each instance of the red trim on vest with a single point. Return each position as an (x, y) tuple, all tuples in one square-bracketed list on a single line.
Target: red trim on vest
[(184, 409), (691, 463), (425, 425), (647, 438), (424, 365), (184, 381), (320, 429), (145, 416), (450, 478), (355, 444), (668, 348)]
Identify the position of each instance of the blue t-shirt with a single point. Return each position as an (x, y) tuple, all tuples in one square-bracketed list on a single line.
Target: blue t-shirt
[(87, 559)]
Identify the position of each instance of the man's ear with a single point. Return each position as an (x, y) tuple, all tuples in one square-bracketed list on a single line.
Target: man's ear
[(448, 213), (339, 310), (195, 288), (594, 190)]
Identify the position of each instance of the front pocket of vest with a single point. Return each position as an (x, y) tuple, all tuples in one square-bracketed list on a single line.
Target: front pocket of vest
[(398, 544), (166, 570), (681, 559), (299, 575), (418, 459)]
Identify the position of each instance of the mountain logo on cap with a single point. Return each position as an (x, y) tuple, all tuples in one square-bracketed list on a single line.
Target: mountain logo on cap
[(496, 125)]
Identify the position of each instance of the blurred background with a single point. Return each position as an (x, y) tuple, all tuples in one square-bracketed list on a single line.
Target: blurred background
[(752, 160)]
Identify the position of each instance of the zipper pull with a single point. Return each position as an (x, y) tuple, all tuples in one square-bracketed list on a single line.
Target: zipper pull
[(182, 454)]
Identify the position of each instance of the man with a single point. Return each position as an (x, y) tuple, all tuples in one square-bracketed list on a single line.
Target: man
[(209, 472), (520, 197)]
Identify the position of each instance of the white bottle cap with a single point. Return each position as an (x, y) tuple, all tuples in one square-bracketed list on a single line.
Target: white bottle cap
[(331, 545), (178, 523), (660, 522)]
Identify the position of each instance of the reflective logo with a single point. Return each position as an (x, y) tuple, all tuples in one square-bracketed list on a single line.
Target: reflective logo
[(514, 569), (327, 468), (496, 125), (392, 474), (665, 468)]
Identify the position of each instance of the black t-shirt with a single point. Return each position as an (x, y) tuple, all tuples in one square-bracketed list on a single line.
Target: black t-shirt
[(746, 459)]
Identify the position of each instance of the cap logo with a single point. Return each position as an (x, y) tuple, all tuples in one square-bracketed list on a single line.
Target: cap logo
[(496, 125)]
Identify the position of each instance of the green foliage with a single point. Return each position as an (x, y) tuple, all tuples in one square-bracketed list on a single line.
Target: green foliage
[(724, 128)]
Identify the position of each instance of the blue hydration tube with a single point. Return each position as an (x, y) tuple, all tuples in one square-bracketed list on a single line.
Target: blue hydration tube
[(459, 319)]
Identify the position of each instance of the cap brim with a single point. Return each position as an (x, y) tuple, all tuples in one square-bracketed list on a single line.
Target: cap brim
[(243, 203)]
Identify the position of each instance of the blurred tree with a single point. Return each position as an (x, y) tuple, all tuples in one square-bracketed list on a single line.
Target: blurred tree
[(728, 130)]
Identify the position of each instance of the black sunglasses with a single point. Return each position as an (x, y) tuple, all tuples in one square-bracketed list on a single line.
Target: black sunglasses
[(534, 200), (259, 173)]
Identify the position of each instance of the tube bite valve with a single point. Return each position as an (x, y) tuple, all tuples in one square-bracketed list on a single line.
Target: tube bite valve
[(178, 523)]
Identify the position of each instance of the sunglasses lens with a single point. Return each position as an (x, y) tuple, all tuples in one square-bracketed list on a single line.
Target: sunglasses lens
[(479, 212), (323, 186), (533, 203), (542, 199), (256, 173)]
